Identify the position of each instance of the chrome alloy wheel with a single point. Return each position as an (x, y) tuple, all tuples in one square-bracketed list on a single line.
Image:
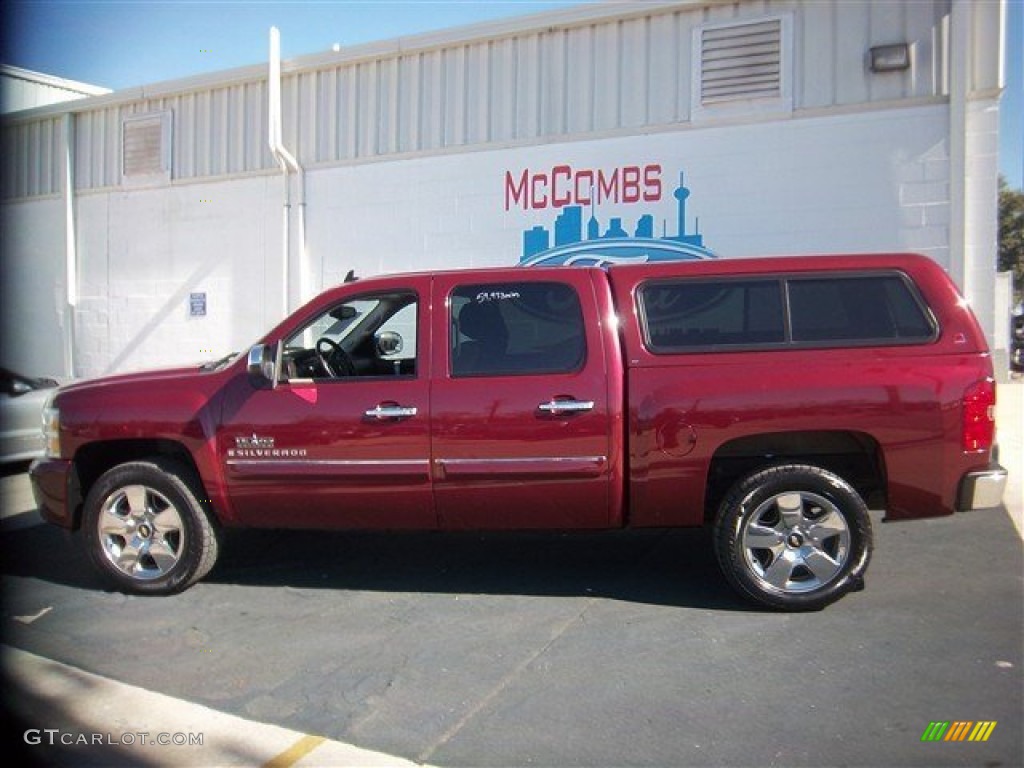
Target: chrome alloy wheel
[(141, 533), (795, 542)]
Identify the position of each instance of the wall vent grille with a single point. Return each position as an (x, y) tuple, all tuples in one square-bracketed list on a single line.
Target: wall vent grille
[(741, 62), (144, 146)]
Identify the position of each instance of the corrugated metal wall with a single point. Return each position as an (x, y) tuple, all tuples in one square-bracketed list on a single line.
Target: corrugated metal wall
[(215, 132), (610, 75), (31, 159)]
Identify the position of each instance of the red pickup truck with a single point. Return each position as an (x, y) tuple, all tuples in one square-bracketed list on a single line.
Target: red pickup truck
[(778, 399)]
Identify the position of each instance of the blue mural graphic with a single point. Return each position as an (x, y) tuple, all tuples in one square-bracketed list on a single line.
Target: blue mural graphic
[(615, 245)]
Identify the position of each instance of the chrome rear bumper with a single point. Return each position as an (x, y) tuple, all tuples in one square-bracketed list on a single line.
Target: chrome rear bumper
[(982, 489)]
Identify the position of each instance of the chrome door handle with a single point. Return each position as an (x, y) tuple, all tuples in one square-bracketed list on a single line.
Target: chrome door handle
[(567, 406), (385, 412)]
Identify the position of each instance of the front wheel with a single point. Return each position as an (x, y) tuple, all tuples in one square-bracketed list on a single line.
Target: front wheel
[(146, 530), (793, 537)]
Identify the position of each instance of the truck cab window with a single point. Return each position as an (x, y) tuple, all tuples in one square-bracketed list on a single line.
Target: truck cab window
[(516, 329), (365, 336)]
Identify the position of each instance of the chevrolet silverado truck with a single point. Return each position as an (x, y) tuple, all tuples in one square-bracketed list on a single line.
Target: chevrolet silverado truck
[(777, 399)]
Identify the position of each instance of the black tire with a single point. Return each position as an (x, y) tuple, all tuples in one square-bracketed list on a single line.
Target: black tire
[(146, 530), (794, 537)]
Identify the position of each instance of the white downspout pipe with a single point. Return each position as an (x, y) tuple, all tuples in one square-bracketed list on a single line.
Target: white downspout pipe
[(288, 164), (70, 245)]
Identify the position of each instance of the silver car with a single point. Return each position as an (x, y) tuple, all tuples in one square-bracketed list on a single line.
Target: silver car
[(21, 412)]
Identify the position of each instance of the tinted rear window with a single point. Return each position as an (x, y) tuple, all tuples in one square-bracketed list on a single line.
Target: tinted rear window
[(856, 309), (701, 314), (737, 313)]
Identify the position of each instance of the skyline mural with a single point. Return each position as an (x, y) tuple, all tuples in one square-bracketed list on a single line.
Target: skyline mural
[(576, 243)]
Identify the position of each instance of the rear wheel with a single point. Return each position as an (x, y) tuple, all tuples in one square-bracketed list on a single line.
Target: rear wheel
[(146, 530), (794, 537)]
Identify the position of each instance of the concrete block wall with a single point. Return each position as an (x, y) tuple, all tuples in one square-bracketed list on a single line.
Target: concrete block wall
[(33, 289), (981, 215), (875, 181), (142, 253)]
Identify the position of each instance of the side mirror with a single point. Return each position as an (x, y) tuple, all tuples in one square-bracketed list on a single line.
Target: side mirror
[(390, 343), (261, 364)]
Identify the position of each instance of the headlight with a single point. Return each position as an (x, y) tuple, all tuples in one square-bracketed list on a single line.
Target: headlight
[(51, 430)]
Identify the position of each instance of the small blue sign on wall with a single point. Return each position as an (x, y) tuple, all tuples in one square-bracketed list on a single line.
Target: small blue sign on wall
[(197, 304)]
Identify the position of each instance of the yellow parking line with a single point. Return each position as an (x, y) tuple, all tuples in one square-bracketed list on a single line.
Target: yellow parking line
[(295, 752)]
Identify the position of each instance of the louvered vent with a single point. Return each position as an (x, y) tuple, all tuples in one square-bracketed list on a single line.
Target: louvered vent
[(143, 146), (741, 62)]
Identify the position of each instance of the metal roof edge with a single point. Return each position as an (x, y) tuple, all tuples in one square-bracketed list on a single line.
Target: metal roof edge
[(564, 18), (488, 30), (52, 80)]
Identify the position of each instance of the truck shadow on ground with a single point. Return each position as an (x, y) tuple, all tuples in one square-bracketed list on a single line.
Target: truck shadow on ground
[(659, 567)]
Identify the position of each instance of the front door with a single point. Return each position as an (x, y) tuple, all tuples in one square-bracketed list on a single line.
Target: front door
[(342, 440)]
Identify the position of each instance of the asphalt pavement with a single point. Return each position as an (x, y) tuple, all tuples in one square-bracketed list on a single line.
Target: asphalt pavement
[(520, 649)]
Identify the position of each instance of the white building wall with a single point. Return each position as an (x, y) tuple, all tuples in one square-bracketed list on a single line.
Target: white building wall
[(822, 185), (856, 182), (142, 254), (407, 144)]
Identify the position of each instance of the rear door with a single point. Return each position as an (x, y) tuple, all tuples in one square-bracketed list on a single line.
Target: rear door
[(520, 431)]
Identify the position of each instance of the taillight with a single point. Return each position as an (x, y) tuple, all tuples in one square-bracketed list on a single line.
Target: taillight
[(979, 416)]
